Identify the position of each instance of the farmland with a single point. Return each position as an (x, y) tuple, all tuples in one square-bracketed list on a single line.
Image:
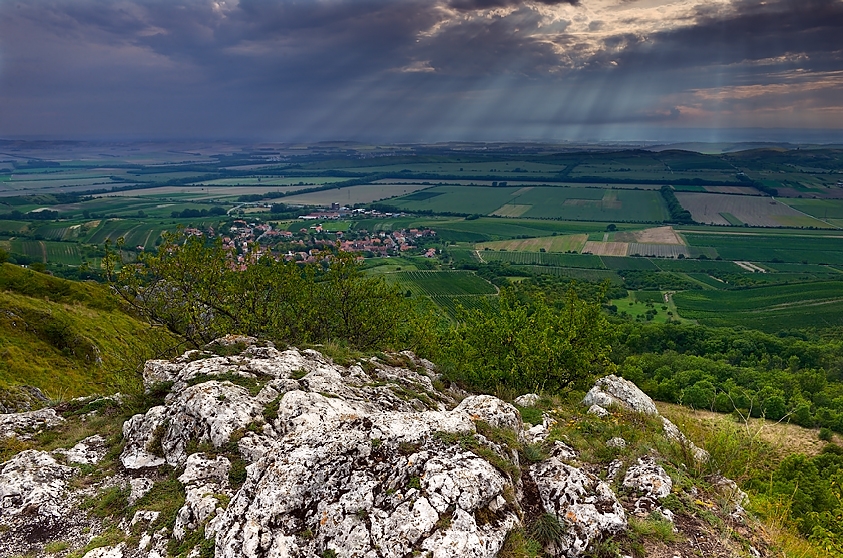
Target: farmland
[(567, 243), (542, 258), (537, 211), (755, 211), (540, 202), (767, 308)]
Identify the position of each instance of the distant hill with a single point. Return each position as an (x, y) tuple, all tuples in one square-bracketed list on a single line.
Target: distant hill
[(67, 339)]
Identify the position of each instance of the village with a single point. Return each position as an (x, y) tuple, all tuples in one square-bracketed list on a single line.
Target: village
[(313, 236)]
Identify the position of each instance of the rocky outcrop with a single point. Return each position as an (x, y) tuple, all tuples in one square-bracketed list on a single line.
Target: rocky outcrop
[(288, 454), (585, 504), (24, 425), (611, 391)]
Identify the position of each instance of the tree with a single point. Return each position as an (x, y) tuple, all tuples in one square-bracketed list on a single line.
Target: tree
[(200, 291), (529, 344)]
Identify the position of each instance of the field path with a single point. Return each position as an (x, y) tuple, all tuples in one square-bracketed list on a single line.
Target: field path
[(43, 251), (479, 257)]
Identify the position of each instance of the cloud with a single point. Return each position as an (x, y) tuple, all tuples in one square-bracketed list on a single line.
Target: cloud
[(353, 68)]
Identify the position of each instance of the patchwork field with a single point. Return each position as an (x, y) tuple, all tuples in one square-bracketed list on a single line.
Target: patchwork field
[(353, 194), (441, 283), (656, 235), (773, 248), (755, 211), (566, 243), (540, 202), (606, 248)]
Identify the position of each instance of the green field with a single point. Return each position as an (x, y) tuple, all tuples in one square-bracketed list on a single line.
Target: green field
[(586, 261), (540, 202), (821, 209), (763, 248), (441, 283), (617, 262), (575, 274), (769, 308)]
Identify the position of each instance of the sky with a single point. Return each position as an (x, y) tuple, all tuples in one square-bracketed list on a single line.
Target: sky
[(422, 70)]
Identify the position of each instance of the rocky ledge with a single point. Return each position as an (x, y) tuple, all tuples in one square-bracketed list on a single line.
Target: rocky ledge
[(271, 453)]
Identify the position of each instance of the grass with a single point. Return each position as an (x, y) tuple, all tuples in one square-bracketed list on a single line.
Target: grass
[(69, 339)]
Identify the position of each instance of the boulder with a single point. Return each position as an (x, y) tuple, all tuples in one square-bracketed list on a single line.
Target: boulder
[(24, 425), (581, 501), (383, 482), (648, 478), (527, 400), (34, 484), (612, 390), (493, 411)]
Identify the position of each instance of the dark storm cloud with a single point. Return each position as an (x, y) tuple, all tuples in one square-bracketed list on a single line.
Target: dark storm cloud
[(467, 5), (352, 68)]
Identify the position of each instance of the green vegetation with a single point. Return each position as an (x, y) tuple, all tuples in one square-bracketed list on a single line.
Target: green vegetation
[(69, 339)]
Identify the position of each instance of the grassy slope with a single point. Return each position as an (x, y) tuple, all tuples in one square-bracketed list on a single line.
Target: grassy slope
[(69, 339)]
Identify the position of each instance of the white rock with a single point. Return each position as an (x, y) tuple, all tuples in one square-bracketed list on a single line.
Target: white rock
[(612, 390), (616, 443), (199, 469), (33, 482), (138, 488), (536, 434), (583, 502), (89, 451), (465, 539), (648, 478), (138, 434), (23, 425), (527, 400), (145, 516), (493, 411), (563, 451), (106, 552), (613, 469), (357, 488)]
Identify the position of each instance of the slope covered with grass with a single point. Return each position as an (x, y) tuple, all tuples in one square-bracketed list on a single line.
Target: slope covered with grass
[(68, 339)]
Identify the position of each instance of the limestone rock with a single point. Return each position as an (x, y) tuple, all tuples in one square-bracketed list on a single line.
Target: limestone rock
[(492, 410), (648, 478), (33, 483), (581, 501), (527, 400), (382, 482), (138, 488), (596, 409), (673, 433), (24, 425), (207, 412), (87, 452), (106, 552), (612, 390), (616, 443)]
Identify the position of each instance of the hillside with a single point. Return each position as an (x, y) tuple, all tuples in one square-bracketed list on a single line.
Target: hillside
[(288, 453), (67, 339)]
